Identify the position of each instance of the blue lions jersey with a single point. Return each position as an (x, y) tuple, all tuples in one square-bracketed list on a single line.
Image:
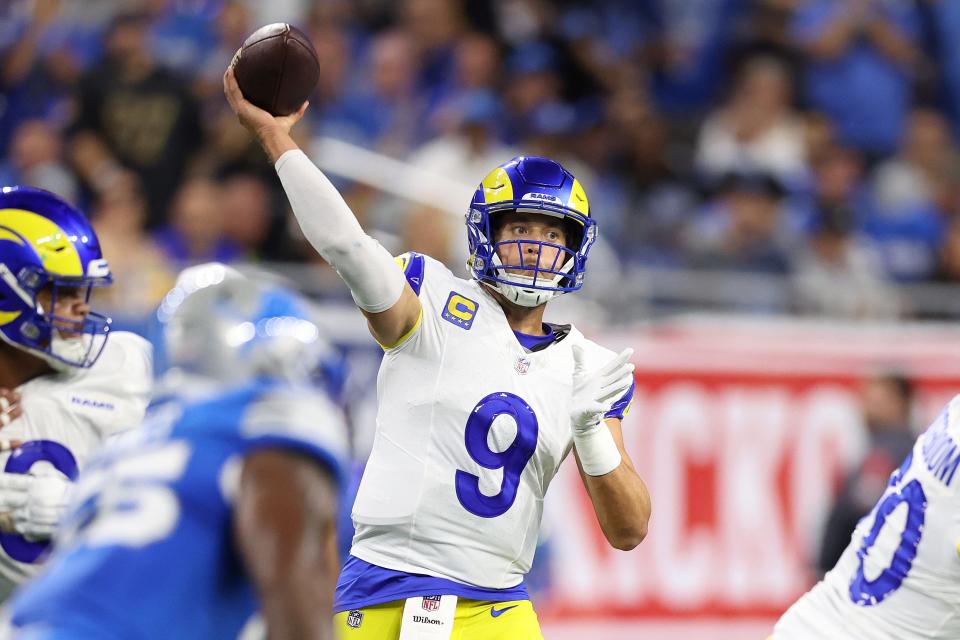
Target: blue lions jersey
[(146, 549)]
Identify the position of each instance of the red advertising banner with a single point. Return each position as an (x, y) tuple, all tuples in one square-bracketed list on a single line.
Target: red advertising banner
[(742, 433)]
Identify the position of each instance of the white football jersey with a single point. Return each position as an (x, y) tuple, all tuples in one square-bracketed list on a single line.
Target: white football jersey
[(899, 579), (66, 417), (471, 429)]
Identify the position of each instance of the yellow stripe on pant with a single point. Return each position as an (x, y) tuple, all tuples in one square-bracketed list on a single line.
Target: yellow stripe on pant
[(475, 620)]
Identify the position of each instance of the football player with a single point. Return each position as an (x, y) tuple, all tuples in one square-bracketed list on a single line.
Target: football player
[(70, 386), (899, 578), (222, 503), (479, 400)]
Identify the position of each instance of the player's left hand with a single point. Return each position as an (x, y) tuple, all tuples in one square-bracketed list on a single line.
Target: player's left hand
[(595, 391), (34, 503)]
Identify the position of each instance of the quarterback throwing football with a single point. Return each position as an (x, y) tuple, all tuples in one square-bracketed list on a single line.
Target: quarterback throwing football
[(479, 400)]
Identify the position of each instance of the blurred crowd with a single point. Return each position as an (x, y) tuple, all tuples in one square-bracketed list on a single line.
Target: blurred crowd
[(810, 139)]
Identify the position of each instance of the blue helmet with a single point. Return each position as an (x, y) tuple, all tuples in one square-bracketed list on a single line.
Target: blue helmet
[(47, 243), (220, 324), (534, 185)]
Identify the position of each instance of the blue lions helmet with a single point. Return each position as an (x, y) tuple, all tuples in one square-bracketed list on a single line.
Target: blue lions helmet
[(535, 185), (46, 243), (222, 325)]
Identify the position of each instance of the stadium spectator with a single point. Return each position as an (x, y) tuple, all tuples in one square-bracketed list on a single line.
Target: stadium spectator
[(742, 228), (819, 135), (943, 38), (476, 64), (338, 106), (647, 225), (756, 130), (44, 47), (184, 33), (533, 81), (142, 274), (903, 217), (392, 94), (887, 402), (435, 28), (914, 176), (836, 183), (840, 275), (838, 179), (691, 41), (248, 223), (860, 56), (195, 231), (231, 27), (36, 159), (135, 114), (948, 256)]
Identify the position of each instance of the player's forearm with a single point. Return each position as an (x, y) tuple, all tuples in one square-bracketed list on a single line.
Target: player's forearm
[(622, 504), (300, 606), (283, 524), (327, 222), (275, 142)]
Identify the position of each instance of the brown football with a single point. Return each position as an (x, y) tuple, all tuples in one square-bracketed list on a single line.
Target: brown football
[(277, 68)]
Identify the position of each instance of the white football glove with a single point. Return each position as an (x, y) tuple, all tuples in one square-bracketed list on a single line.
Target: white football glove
[(10, 408), (34, 502), (594, 393)]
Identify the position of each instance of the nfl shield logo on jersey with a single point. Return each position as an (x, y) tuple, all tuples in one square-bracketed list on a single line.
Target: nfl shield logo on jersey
[(522, 365), (431, 603), (354, 618)]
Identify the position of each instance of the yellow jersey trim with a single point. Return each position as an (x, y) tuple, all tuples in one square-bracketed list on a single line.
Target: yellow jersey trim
[(407, 335)]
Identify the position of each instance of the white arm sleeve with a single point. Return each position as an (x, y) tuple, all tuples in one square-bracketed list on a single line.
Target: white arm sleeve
[(375, 280)]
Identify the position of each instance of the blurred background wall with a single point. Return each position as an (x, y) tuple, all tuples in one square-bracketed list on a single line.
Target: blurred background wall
[(777, 184)]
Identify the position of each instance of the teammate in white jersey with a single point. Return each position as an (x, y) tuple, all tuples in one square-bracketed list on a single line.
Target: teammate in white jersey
[(479, 400), (899, 579), (74, 387)]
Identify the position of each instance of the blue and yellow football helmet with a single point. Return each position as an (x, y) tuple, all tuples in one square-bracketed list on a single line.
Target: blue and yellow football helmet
[(47, 243), (534, 185)]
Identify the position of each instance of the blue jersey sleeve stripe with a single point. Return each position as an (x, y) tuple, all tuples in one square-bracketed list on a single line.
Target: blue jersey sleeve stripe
[(326, 458), (414, 271), (619, 408)]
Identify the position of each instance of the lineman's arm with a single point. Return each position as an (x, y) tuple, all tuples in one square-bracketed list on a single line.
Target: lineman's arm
[(620, 497), (376, 282), (284, 523)]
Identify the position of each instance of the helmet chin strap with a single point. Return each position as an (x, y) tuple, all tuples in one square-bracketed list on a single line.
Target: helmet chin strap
[(526, 296)]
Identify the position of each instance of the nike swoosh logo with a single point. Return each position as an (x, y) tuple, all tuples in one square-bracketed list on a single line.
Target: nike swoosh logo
[(496, 614)]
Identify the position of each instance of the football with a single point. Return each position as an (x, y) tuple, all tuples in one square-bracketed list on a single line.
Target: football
[(277, 68)]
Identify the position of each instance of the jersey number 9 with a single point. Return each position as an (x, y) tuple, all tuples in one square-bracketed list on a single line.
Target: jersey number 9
[(512, 460)]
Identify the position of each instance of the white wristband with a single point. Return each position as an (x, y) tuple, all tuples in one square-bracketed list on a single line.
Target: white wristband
[(375, 280), (598, 452)]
